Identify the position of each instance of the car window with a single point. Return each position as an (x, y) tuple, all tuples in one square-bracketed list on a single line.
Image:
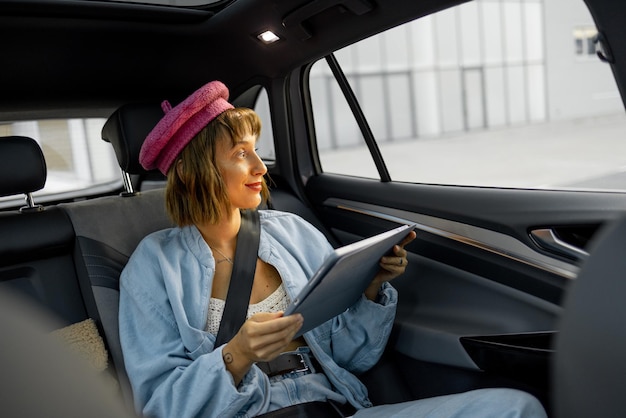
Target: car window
[(490, 93), (76, 156), (265, 142), (339, 139)]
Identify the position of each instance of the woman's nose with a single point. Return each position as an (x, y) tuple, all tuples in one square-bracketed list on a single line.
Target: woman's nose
[(259, 168)]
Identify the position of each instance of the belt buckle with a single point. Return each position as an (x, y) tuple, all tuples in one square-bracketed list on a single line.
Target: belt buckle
[(305, 366)]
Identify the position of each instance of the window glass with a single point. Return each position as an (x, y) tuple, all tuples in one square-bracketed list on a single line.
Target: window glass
[(265, 142), (490, 93), (338, 136), (76, 156)]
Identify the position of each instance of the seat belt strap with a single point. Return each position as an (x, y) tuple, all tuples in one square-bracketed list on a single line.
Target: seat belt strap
[(240, 287)]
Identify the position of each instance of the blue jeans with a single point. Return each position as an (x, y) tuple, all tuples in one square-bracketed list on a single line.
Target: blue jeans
[(483, 403), (299, 387)]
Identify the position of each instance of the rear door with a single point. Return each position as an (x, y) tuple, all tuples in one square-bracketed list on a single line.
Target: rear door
[(463, 130)]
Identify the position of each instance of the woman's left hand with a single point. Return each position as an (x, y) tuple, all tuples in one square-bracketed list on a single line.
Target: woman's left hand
[(391, 266)]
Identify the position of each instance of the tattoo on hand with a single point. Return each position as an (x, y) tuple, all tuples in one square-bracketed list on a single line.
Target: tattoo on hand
[(228, 358)]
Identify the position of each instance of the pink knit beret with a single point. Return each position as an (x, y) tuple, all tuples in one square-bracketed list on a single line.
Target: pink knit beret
[(181, 123)]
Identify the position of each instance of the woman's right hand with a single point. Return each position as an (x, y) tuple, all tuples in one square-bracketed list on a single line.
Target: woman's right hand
[(261, 338)]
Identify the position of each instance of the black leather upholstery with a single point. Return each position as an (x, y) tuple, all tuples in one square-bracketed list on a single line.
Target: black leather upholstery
[(22, 166), (126, 130), (29, 236), (107, 231), (36, 246), (109, 228), (590, 357)]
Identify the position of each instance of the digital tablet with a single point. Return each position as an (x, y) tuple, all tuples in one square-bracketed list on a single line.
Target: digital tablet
[(342, 278)]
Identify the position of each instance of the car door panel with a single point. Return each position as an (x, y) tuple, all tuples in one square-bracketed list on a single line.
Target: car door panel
[(440, 302), (473, 271)]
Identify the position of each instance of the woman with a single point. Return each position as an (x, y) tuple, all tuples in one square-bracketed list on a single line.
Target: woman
[(173, 289)]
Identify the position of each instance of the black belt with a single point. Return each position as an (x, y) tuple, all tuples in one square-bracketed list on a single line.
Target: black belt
[(290, 362)]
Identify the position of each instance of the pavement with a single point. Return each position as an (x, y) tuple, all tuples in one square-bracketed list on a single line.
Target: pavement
[(579, 153)]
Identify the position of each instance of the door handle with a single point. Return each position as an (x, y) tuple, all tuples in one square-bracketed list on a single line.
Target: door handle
[(547, 239)]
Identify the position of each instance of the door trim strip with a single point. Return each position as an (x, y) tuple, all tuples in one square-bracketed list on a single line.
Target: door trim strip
[(485, 239)]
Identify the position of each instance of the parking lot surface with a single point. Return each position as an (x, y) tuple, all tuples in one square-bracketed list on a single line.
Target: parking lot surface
[(580, 153)]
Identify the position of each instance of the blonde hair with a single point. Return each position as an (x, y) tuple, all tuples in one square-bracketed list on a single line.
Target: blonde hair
[(197, 194)]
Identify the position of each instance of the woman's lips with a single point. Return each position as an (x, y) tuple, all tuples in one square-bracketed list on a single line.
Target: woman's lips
[(257, 187)]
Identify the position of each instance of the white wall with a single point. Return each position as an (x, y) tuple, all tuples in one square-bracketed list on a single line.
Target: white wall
[(485, 64), (576, 86)]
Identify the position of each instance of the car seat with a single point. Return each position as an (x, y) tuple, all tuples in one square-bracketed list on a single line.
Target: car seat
[(108, 229), (37, 241), (590, 357), (126, 130)]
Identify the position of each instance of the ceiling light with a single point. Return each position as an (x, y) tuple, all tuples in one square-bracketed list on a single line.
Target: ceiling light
[(268, 37)]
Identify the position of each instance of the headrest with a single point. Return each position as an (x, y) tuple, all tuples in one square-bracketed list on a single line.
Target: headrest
[(22, 166), (127, 128)]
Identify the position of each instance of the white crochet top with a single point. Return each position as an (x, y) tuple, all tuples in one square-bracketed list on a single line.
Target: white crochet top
[(277, 301)]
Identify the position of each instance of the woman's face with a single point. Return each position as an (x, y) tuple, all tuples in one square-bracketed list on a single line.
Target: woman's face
[(242, 171)]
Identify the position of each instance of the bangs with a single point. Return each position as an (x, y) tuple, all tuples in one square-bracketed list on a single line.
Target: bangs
[(239, 122)]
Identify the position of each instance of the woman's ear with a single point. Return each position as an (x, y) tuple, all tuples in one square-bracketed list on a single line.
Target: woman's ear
[(179, 170)]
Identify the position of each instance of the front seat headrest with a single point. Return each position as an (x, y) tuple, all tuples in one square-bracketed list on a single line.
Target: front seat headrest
[(22, 166), (127, 128)]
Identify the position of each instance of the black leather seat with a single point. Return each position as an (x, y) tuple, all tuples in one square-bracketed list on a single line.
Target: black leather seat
[(590, 358), (108, 229), (39, 292), (37, 243)]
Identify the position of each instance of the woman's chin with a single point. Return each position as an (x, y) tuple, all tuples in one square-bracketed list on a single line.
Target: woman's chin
[(251, 205)]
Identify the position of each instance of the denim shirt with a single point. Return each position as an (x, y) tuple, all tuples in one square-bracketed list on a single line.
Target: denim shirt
[(171, 361)]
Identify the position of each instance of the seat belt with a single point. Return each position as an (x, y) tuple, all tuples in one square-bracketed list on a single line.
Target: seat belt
[(238, 300), (240, 287)]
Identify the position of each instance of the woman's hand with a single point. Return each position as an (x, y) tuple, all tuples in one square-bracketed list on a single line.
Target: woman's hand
[(261, 338), (390, 266)]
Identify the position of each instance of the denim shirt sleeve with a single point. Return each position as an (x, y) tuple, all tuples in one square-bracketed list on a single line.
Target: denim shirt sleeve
[(170, 379), (353, 342), (360, 334)]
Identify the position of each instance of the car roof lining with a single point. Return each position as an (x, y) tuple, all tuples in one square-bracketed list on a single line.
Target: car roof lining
[(107, 10), (95, 62)]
